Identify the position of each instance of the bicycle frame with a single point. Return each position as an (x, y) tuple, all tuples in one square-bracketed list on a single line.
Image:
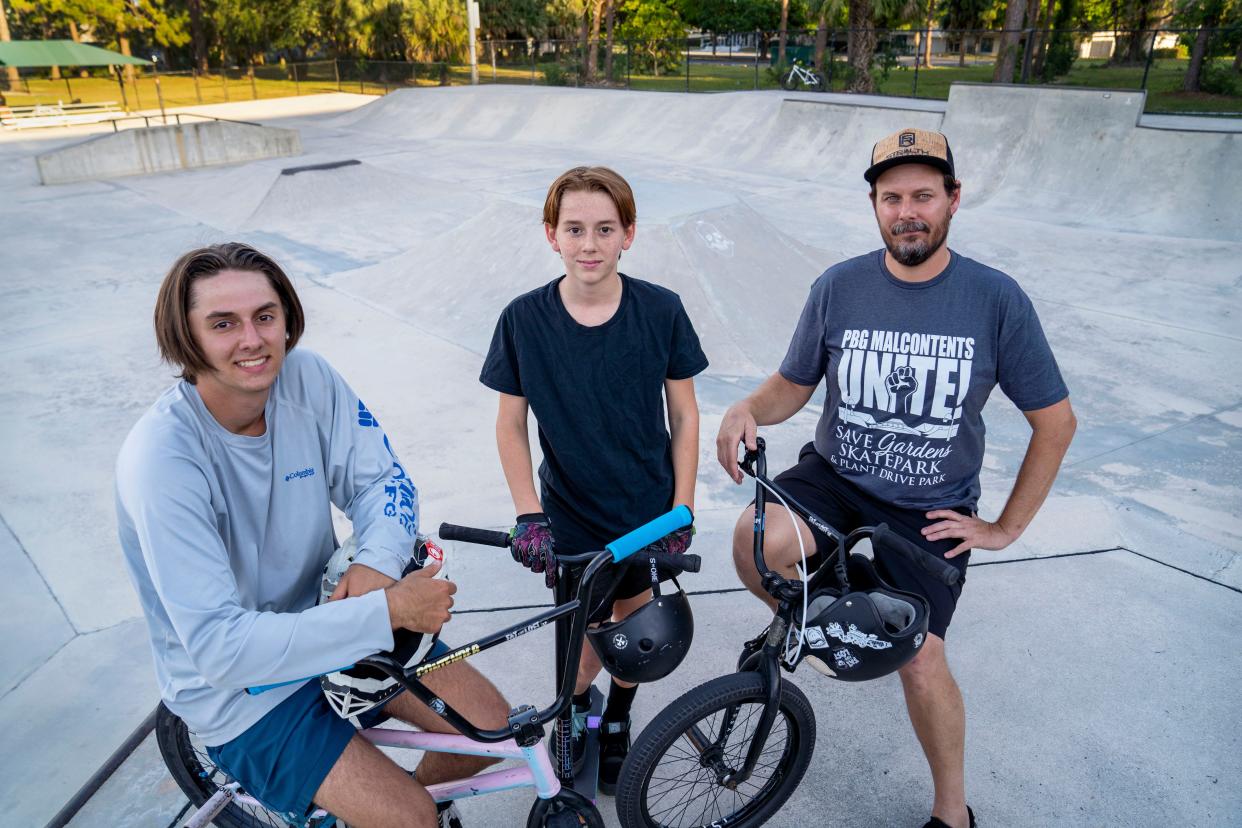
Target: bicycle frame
[(521, 739), (786, 591)]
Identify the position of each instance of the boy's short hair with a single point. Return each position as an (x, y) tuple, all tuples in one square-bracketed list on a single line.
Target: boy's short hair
[(591, 180), (172, 307)]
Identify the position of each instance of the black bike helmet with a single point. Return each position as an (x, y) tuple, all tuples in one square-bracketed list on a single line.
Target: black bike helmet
[(650, 643), (870, 631), (356, 690)]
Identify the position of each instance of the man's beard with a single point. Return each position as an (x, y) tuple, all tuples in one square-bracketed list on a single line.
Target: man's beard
[(914, 253)]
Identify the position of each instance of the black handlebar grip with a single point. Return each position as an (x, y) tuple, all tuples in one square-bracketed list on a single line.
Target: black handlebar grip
[(486, 537), (886, 538), (675, 564)]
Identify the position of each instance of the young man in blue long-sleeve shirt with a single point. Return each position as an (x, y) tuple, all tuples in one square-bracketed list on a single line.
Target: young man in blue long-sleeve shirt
[(224, 489)]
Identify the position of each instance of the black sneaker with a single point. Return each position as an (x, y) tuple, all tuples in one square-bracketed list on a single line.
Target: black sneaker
[(614, 746), (751, 647), (937, 822), (577, 741)]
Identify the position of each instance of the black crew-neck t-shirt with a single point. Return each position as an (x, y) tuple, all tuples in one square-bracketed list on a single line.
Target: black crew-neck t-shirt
[(597, 393)]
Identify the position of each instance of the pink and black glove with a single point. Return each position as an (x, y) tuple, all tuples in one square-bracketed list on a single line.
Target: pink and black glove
[(530, 543), (675, 543)]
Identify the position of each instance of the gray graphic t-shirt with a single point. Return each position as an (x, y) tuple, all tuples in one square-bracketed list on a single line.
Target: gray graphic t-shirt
[(909, 368)]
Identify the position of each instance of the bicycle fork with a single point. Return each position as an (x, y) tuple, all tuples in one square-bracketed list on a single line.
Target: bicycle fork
[(711, 751)]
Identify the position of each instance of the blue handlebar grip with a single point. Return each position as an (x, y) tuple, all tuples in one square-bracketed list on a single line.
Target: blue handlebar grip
[(263, 688), (627, 545)]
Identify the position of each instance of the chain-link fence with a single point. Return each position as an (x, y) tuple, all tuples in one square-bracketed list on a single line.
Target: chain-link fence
[(901, 62)]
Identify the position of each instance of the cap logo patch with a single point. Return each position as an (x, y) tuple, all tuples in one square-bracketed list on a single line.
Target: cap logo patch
[(906, 139)]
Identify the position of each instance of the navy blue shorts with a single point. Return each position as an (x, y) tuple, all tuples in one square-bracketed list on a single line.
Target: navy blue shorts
[(282, 759), (815, 484)]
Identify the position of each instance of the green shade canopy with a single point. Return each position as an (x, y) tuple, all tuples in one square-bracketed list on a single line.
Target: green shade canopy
[(30, 53)]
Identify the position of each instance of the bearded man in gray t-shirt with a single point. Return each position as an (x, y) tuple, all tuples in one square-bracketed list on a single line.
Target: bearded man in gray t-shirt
[(911, 340)]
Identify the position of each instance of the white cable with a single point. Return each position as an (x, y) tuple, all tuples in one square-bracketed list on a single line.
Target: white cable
[(801, 573)]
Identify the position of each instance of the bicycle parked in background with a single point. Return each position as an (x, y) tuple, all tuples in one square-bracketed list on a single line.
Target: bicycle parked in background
[(732, 751), (799, 76)]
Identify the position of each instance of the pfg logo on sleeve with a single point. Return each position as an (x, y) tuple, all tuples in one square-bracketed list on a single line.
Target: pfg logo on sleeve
[(365, 418)]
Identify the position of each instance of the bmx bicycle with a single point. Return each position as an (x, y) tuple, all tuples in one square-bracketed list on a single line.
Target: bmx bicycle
[(221, 801), (731, 751), (799, 75)]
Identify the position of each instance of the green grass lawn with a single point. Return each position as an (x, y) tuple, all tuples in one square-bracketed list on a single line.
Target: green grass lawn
[(1163, 83)]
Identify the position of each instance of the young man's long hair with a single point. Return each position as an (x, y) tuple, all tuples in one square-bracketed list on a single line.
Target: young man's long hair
[(172, 307)]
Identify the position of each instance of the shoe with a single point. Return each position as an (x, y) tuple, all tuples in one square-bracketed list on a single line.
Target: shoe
[(577, 741), (751, 647), (614, 746), (448, 815), (937, 822)]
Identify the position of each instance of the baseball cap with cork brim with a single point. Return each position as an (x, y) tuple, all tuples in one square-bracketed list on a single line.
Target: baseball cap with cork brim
[(910, 146)]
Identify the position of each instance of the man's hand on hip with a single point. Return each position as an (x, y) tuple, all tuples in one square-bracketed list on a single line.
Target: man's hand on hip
[(737, 426), (974, 532), (420, 602), (360, 579)]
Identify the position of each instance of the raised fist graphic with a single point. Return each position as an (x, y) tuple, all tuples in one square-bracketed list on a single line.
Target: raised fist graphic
[(902, 384)]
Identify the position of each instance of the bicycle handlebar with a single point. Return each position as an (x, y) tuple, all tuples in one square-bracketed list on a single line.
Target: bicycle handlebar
[(650, 532), (469, 534), (886, 538)]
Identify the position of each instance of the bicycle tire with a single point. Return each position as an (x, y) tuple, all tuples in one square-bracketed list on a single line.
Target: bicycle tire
[(198, 777), (822, 82), (792, 736), (787, 81)]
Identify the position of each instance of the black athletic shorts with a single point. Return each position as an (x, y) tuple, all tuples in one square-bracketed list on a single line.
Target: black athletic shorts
[(815, 484)]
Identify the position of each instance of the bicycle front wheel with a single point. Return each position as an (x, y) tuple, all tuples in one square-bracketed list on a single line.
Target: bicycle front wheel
[(199, 778), (672, 777), (788, 81)]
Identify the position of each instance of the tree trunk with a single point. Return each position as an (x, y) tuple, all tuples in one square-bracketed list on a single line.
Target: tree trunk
[(198, 42), (1237, 59), (1045, 39), (821, 39), (129, 67), (611, 15), (861, 46), (961, 55), (10, 71), (1007, 55), (585, 35), (1134, 55), (780, 46), (927, 35), (593, 53), (1197, 53)]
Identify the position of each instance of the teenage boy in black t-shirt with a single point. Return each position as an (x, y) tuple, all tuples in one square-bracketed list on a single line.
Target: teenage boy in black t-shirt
[(596, 355)]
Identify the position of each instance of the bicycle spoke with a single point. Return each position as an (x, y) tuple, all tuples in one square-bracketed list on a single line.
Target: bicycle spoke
[(681, 792)]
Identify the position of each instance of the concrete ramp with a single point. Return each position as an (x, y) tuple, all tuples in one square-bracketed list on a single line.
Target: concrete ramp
[(718, 255), (166, 148), (386, 212), (1078, 157), (831, 142)]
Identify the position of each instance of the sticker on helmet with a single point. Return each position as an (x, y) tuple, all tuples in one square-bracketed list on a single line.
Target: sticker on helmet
[(815, 637), (620, 641), (857, 637), (918, 640), (845, 659)]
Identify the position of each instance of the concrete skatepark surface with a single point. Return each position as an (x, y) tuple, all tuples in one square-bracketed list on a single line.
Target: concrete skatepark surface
[(1098, 654)]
